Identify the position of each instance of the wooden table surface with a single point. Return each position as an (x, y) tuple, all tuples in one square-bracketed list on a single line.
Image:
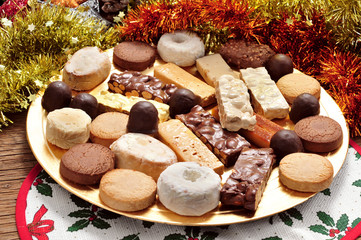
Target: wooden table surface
[(16, 161)]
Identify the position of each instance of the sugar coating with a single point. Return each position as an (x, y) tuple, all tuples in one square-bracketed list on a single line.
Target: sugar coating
[(235, 110), (266, 98)]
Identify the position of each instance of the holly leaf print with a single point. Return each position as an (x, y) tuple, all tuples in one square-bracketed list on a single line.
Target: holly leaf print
[(147, 224), (83, 213), (319, 229), (43, 174), (79, 202), (355, 222), (339, 237), (272, 238), (326, 219), (78, 225), (49, 180), (100, 223), (286, 219), (293, 212), (45, 189), (209, 236), (342, 222), (192, 231), (224, 226), (175, 236), (357, 183), (131, 237), (107, 215), (358, 156), (327, 192)]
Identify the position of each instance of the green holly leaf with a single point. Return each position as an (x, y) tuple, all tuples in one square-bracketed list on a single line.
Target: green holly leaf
[(131, 237), (147, 224), (327, 192), (83, 213), (43, 174), (107, 214), (45, 189), (326, 219), (100, 223), (79, 202), (355, 222), (224, 226), (285, 219), (339, 237), (319, 229), (83, 223), (49, 180), (209, 235), (357, 183), (192, 231), (272, 238), (293, 212), (175, 236), (342, 222)]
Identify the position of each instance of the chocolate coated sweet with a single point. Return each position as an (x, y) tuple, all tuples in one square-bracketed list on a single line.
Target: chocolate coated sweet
[(143, 118), (278, 66), (132, 83), (304, 105), (85, 102), (182, 101), (224, 144), (285, 142), (249, 177), (57, 95)]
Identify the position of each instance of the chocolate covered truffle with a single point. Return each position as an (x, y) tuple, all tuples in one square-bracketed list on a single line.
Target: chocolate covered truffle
[(304, 105), (278, 66), (57, 95), (285, 142), (143, 118), (182, 101), (85, 102)]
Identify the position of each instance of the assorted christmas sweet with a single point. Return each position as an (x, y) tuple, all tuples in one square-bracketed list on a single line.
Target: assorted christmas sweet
[(131, 126)]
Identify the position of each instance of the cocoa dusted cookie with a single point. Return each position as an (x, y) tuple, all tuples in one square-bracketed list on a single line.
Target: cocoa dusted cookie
[(241, 54), (319, 133), (86, 163), (135, 55)]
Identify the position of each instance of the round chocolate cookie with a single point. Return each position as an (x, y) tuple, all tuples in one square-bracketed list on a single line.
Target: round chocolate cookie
[(285, 142), (135, 55), (319, 133), (86, 163), (241, 54)]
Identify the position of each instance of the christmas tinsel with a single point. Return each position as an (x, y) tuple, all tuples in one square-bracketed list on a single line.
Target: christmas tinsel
[(36, 45)]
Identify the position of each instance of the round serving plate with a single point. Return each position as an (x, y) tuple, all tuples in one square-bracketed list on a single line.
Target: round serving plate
[(276, 198)]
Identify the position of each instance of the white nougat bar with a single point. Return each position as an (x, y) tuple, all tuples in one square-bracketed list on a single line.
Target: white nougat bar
[(267, 100), (212, 67), (235, 110)]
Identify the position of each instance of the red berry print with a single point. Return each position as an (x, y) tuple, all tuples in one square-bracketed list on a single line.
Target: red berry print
[(35, 184), (40, 181), (94, 208), (92, 218)]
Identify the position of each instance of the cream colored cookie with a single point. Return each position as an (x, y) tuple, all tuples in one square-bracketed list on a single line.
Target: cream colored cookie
[(143, 153), (127, 190), (108, 127), (294, 84), (67, 127), (306, 172), (87, 68)]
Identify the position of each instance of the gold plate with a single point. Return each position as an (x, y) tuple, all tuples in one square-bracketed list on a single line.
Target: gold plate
[(276, 197)]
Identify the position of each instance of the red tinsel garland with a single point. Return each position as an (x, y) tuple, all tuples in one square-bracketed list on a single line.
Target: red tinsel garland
[(11, 7)]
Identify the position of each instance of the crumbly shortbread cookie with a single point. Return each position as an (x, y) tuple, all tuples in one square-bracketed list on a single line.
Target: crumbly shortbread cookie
[(294, 84), (67, 127), (189, 189), (108, 127), (87, 68), (127, 190), (306, 172), (143, 153)]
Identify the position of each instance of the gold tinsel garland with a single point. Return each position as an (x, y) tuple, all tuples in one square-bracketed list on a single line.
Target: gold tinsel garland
[(35, 47)]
